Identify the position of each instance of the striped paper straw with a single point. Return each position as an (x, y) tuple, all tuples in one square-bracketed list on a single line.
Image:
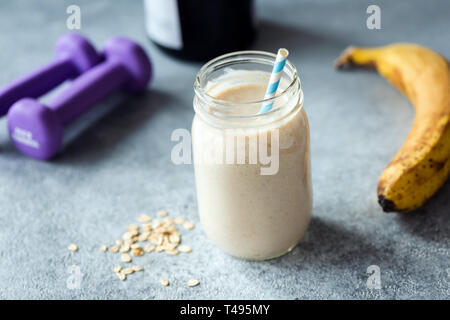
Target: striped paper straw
[(274, 80)]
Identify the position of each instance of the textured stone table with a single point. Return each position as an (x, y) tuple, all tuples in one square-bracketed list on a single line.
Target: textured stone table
[(121, 167)]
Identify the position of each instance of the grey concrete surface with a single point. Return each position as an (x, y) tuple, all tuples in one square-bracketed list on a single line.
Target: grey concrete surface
[(121, 167)]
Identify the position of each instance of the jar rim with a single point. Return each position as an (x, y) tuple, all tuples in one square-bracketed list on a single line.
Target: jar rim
[(201, 92)]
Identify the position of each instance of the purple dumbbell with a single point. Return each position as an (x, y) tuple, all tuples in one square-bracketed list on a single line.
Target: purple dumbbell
[(37, 129), (73, 56)]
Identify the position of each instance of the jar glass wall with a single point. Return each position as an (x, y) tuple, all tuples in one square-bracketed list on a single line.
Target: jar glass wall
[(252, 170)]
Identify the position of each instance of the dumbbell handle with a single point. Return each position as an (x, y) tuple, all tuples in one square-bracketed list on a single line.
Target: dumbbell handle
[(37, 83), (88, 89)]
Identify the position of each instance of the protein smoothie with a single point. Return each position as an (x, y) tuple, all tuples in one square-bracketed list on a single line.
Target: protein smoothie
[(252, 170)]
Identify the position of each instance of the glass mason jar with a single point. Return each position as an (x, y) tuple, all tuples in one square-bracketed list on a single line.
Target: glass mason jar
[(252, 170)]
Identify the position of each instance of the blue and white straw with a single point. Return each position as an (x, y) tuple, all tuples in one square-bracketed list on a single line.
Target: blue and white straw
[(274, 80)]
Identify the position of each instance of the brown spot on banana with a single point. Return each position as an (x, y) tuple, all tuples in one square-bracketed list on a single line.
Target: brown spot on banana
[(386, 204)]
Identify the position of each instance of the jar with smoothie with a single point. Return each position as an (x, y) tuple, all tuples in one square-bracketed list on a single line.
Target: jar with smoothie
[(252, 169)]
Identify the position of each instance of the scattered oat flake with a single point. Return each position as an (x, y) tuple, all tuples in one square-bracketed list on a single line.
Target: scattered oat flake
[(147, 227), (127, 236), (104, 248), (127, 271), (179, 220), (132, 227), (149, 248), (125, 257), (133, 240), (73, 247), (114, 249), (169, 221), (188, 225), (137, 252), (174, 238), (134, 233), (125, 248), (156, 224), (144, 218), (172, 252), (184, 248), (137, 268), (143, 236), (117, 269), (169, 246), (121, 276), (172, 229), (193, 283), (162, 213), (165, 283)]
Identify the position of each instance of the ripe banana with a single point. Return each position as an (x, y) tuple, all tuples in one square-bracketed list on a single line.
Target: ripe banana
[(422, 164)]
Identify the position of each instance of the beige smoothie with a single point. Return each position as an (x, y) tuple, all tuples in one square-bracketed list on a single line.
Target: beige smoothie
[(246, 211)]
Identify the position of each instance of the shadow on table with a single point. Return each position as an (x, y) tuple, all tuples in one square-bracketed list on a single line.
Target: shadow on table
[(432, 221), (327, 251), (110, 122), (328, 244)]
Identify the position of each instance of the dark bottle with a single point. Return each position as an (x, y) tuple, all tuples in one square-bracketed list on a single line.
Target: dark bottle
[(200, 29)]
